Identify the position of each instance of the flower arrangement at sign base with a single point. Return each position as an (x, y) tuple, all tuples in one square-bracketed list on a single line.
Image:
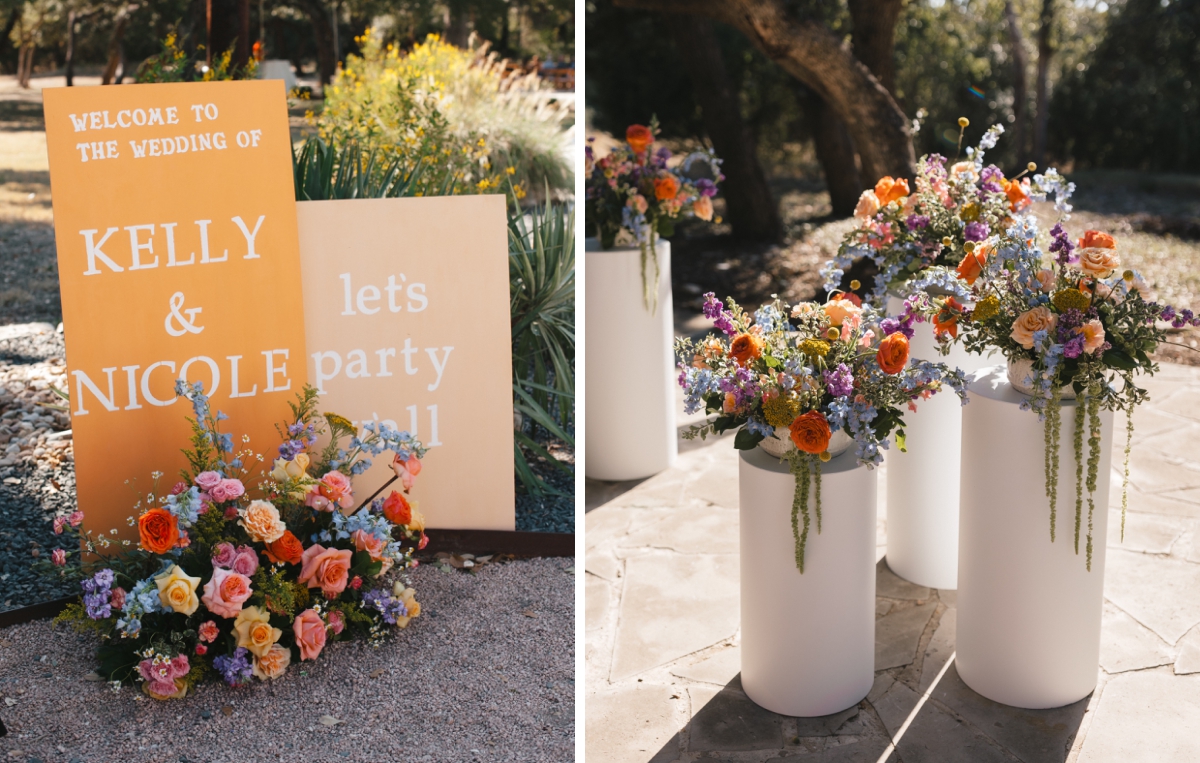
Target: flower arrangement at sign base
[(916, 236), (240, 572), (634, 196), (802, 374), (1072, 323)]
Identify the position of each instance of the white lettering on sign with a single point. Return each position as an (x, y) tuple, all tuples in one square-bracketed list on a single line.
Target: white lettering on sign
[(140, 253), (367, 296)]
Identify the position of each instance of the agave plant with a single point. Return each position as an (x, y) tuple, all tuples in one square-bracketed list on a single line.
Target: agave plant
[(321, 172), (541, 246)]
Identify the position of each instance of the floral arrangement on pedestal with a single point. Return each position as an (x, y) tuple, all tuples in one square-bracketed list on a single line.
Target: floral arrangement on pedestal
[(1072, 325), (238, 580), (633, 196), (913, 235), (805, 383)]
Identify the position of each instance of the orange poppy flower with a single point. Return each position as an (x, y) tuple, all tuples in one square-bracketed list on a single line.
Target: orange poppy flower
[(665, 187)]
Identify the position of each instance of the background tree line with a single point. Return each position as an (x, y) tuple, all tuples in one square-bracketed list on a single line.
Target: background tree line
[(772, 82)]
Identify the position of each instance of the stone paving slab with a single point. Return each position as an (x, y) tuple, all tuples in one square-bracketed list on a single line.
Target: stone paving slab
[(663, 647)]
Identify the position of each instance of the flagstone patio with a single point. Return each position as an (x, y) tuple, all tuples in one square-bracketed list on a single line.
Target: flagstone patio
[(662, 641)]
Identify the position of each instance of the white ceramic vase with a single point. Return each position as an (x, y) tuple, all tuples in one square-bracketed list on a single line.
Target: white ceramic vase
[(629, 404), (780, 444), (1020, 376)]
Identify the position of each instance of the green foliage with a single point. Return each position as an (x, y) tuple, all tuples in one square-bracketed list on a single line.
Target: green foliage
[(803, 466), (273, 590), (75, 616), (322, 172), (172, 64)]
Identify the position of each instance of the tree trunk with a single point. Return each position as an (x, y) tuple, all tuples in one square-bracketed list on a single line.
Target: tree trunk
[(809, 50), (241, 54), (1020, 96), (750, 207), (116, 52), (318, 14), (6, 44), (874, 37), (835, 152), (25, 65), (69, 62), (1041, 94)]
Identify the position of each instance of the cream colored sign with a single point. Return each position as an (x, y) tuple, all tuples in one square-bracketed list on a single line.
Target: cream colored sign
[(407, 324)]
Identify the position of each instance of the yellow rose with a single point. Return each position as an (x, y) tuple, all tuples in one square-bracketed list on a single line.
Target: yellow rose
[(272, 663), (254, 631), (261, 522), (417, 524), (177, 590), (409, 597), (290, 470), (1030, 322), (868, 205)]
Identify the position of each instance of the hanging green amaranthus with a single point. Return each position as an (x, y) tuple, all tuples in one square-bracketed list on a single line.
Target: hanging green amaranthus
[(807, 471)]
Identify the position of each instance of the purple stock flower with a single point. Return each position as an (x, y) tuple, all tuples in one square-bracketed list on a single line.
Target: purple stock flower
[(917, 221), (235, 668), (894, 325), (722, 318), (706, 187), (975, 231), (1168, 313), (1061, 244), (839, 381)]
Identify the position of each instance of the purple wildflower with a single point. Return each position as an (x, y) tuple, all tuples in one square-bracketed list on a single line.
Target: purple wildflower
[(1073, 348), (839, 381), (235, 668), (706, 187), (97, 594), (990, 179), (894, 325), (1061, 244), (917, 221), (1168, 313), (387, 605), (975, 231)]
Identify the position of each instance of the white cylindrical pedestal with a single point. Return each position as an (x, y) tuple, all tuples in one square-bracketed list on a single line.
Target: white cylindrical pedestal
[(808, 640), (629, 366), (922, 484), (1028, 609)]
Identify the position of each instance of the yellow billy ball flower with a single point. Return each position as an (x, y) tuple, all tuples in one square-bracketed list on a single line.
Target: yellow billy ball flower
[(1032, 166), (833, 333), (1127, 275), (825, 455), (969, 247), (963, 122), (855, 285), (947, 241)]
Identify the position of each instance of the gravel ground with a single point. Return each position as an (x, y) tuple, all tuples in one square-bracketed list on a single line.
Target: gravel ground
[(486, 673), (550, 513)]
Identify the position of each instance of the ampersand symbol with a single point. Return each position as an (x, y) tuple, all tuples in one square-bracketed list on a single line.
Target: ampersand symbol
[(188, 324)]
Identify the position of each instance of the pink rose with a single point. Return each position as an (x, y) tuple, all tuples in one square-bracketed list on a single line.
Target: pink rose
[(179, 488), (227, 490), (325, 568), (1093, 336), (365, 541), (160, 678), (226, 592), (407, 470), (332, 490), (209, 631), (310, 634), (337, 622), (223, 555), (117, 600), (206, 481), (246, 561)]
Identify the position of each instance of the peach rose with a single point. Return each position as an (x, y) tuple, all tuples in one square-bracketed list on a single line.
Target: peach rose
[(1098, 261), (963, 171), (840, 309), (225, 592), (272, 663), (868, 205), (703, 208), (409, 597), (365, 541), (326, 568), (1031, 321), (158, 531), (810, 432), (177, 590), (254, 631), (261, 522), (1093, 336), (888, 190), (1046, 280), (893, 353), (745, 348), (310, 634), (639, 137)]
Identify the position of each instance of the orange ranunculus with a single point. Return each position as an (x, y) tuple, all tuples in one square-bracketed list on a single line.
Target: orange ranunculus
[(1018, 198), (745, 348), (946, 319), (810, 432), (665, 187), (158, 531), (1094, 239), (893, 353), (287, 548), (888, 189), (638, 137), (396, 509), (972, 265)]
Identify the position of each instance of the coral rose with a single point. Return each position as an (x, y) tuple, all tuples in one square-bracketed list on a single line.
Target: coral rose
[(666, 187), (639, 137), (745, 348), (287, 548), (1094, 239), (272, 663), (810, 432), (703, 208), (893, 353), (261, 522), (209, 631), (397, 510), (310, 634), (888, 190), (158, 531), (1093, 336), (177, 590), (254, 631), (407, 470), (225, 592), (868, 205), (972, 265), (326, 568), (411, 606), (1030, 322)]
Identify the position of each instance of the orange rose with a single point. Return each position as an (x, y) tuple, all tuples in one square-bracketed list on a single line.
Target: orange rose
[(893, 353), (327, 569), (665, 187), (1018, 199), (810, 432), (745, 348), (946, 319), (888, 190), (396, 509), (1096, 239), (287, 549), (972, 265), (158, 530), (638, 137)]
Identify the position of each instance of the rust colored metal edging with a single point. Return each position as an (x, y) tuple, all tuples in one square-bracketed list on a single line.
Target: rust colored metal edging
[(522, 545)]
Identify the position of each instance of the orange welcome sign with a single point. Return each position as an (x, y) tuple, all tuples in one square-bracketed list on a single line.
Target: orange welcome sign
[(175, 222)]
